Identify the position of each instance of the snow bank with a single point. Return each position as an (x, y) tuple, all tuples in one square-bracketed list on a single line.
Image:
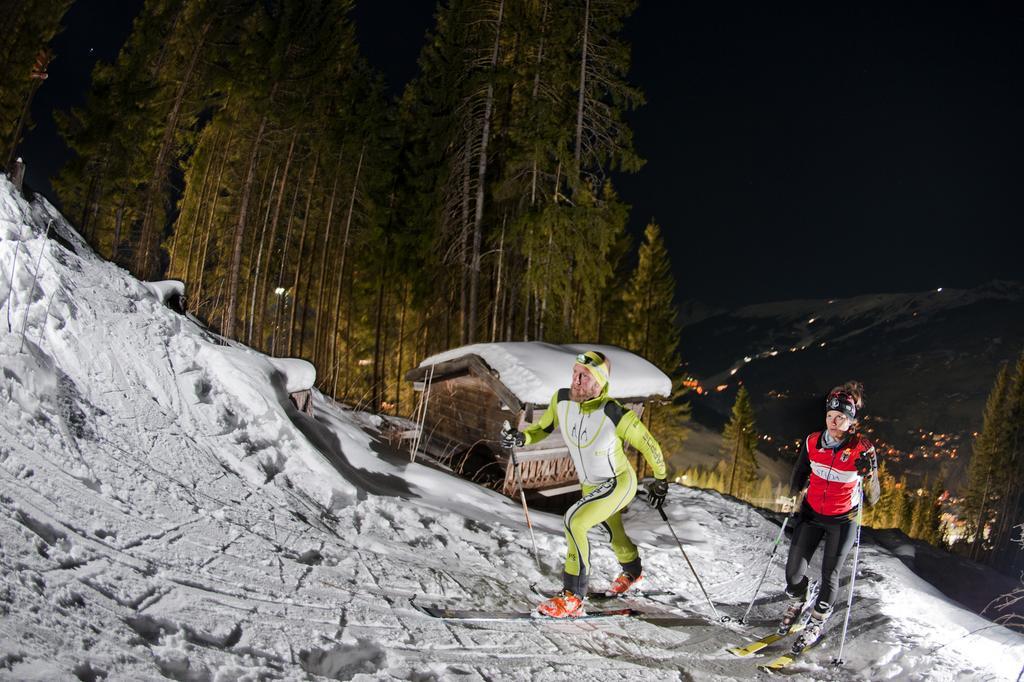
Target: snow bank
[(80, 323), (299, 375), (165, 290), (533, 371)]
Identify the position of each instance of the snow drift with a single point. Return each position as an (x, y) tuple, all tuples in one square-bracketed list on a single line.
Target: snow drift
[(166, 511)]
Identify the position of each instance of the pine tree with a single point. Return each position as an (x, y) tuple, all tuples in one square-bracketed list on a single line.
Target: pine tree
[(650, 309), (902, 509), (652, 333), (601, 137), (139, 122), (180, 93), (28, 29), (613, 322), (451, 124), (882, 513), (740, 438), (982, 484), (931, 531), (1007, 555), (921, 512), (492, 190)]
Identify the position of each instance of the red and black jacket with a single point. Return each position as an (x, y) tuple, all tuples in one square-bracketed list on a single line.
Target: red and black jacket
[(831, 474)]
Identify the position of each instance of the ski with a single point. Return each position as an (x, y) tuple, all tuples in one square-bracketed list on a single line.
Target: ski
[(669, 614), (786, 659), (654, 611), (779, 663), (461, 614), (771, 638), (639, 594), (662, 619), (766, 641), (757, 644)]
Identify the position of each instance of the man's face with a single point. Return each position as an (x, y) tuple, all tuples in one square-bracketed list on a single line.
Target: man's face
[(584, 386)]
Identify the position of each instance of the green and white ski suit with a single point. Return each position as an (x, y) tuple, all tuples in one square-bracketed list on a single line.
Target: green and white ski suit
[(594, 432)]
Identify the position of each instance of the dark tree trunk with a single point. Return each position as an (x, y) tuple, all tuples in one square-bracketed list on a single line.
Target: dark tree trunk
[(299, 263), (378, 371), (341, 269), (234, 269), (256, 288), (146, 260), (282, 298), (212, 215), (481, 178), (320, 317), (252, 272), (401, 347), (273, 237), (578, 151)]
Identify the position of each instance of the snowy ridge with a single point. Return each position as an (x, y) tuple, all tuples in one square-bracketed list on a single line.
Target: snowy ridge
[(533, 370), (166, 512), (928, 360), (808, 324)]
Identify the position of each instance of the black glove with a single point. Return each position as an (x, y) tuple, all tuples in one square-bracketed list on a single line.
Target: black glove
[(511, 437), (866, 463), (656, 492)]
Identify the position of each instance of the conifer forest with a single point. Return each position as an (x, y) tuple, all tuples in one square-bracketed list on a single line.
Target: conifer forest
[(247, 149)]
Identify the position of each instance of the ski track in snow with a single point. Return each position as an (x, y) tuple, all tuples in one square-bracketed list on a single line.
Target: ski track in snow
[(165, 512)]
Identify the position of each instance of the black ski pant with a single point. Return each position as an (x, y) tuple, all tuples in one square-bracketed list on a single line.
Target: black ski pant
[(808, 534)]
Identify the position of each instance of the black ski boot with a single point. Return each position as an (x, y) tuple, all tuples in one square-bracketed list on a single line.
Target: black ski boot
[(812, 632), (799, 607)]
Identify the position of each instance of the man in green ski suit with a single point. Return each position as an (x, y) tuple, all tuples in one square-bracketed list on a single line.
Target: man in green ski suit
[(594, 428)]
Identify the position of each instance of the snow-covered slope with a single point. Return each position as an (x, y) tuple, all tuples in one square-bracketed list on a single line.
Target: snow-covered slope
[(165, 511)]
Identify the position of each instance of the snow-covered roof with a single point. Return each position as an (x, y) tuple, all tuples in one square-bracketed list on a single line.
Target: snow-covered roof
[(533, 371)]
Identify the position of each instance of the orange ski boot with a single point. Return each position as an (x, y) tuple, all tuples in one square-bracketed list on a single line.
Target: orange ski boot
[(622, 583), (565, 604)]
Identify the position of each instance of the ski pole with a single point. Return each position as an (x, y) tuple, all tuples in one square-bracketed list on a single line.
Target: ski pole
[(664, 516), (771, 557), (522, 498), (838, 660)]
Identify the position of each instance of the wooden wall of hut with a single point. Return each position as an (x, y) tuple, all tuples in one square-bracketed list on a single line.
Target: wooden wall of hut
[(465, 410)]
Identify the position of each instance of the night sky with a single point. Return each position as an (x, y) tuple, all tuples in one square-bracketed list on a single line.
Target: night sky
[(855, 148), (791, 152)]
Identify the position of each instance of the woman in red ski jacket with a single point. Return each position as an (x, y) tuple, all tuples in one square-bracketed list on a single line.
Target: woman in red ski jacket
[(839, 468)]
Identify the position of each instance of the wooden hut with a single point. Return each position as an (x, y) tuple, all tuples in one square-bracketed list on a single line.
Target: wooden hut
[(467, 393)]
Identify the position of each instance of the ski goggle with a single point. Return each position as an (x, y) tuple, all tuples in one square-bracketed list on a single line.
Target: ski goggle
[(842, 402), (596, 364), (590, 358)]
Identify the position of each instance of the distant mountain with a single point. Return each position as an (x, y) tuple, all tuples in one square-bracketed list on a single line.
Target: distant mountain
[(927, 360)]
